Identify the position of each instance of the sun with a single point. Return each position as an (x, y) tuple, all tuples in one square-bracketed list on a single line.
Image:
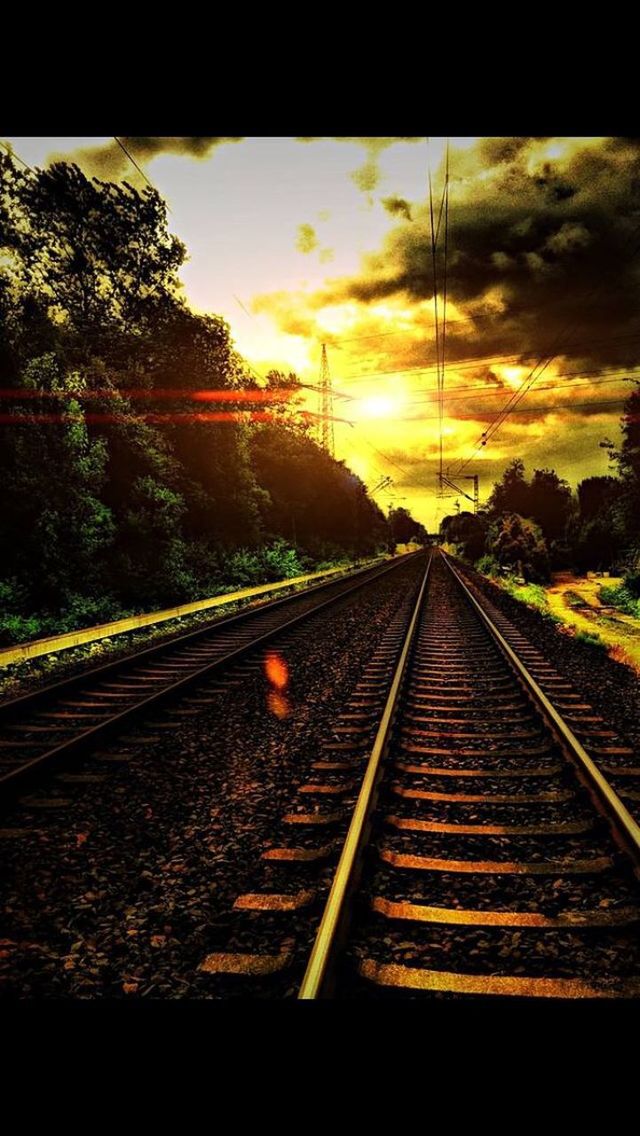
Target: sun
[(378, 406)]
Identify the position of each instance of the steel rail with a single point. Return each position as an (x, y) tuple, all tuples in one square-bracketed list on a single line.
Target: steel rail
[(31, 698), (319, 974), (332, 925), (616, 812), (15, 779)]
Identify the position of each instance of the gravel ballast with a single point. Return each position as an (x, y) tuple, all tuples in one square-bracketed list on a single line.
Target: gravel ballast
[(119, 870)]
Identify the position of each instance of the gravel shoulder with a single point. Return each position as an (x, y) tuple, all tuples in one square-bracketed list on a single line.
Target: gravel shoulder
[(118, 876), (610, 686)]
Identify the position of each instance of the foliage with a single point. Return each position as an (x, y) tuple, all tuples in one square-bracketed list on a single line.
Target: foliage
[(488, 565), (404, 529), (622, 597), (518, 544), (546, 500), (466, 532), (130, 481), (591, 639)]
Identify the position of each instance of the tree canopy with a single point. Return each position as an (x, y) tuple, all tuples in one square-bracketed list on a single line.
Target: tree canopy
[(141, 462)]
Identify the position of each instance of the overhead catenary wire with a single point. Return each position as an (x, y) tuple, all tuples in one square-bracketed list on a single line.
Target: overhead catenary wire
[(137, 167), (542, 364)]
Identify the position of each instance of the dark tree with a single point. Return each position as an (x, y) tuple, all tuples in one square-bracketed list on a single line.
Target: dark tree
[(404, 529)]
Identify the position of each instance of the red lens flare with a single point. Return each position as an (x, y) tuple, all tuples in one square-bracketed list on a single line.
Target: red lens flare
[(276, 670), (277, 673), (278, 704)]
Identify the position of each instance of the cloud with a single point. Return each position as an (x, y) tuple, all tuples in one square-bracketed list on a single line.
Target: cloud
[(367, 176), (397, 206), (307, 239), (543, 235), (109, 161)]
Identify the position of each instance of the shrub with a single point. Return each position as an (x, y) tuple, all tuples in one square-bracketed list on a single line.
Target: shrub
[(619, 595), (591, 638), (488, 565), (632, 583)]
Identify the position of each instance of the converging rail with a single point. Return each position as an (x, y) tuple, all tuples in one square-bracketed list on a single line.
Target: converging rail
[(484, 821), (487, 854), (46, 727)]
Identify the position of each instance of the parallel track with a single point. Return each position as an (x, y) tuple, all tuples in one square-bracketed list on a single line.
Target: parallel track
[(45, 728), (485, 851)]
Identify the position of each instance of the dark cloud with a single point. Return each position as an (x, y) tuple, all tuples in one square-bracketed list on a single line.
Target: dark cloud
[(542, 251), (110, 162), (397, 206)]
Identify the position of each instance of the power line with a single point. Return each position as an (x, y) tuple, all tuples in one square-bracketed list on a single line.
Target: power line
[(12, 154), (530, 410), (489, 393), (542, 365), (469, 362), (135, 164)]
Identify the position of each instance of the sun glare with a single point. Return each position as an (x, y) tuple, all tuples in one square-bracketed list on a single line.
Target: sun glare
[(379, 406)]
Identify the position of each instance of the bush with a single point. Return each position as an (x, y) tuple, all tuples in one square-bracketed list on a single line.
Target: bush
[(619, 595), (277, 561), (488, 565), (591, 638), (632, 583)]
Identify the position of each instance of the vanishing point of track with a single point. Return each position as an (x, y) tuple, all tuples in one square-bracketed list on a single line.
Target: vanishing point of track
[(483, 819)]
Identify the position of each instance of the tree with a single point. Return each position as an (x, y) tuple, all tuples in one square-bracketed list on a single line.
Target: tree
[(546, 499), (54, 526), (132, 474), (518, 544), (404, 529), (315, 501), (97, 254), (550, 503), (596, 495), (595, 534), (467, 531), (627, 459), (511, 494)]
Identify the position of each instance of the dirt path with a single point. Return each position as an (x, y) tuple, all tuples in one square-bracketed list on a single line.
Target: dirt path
[(620, 632)]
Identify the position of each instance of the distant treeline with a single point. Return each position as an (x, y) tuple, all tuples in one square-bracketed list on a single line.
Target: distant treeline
[(121, 491), (533, 527)]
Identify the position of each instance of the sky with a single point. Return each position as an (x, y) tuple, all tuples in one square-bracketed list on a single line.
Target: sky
[(299, 242)]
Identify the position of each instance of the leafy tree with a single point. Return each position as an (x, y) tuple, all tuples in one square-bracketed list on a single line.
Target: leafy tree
[(54, 525), (595, 533), (550, 503), (130, 475), (596, 495), (96, 254), (627, 459), (404, 529), (518, 544), (511, 494), (467, 531), (316, 502)]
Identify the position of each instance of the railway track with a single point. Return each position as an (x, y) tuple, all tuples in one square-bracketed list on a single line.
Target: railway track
[(482, 817), (46, 728)]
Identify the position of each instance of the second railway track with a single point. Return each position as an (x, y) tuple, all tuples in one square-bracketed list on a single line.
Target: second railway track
[(46, 728)]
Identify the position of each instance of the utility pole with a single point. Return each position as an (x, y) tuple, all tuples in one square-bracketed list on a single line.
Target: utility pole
[(476, 493), (326, 405)]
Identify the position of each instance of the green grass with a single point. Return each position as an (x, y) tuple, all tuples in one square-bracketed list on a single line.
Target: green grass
[(618, 596), (591, 638), (573, 599), (533, 595)]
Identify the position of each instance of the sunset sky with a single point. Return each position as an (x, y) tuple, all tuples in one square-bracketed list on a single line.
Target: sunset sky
[(302, 241)]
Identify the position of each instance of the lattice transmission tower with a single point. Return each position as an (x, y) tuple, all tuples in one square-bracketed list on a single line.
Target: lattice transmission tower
[(327, 440)]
